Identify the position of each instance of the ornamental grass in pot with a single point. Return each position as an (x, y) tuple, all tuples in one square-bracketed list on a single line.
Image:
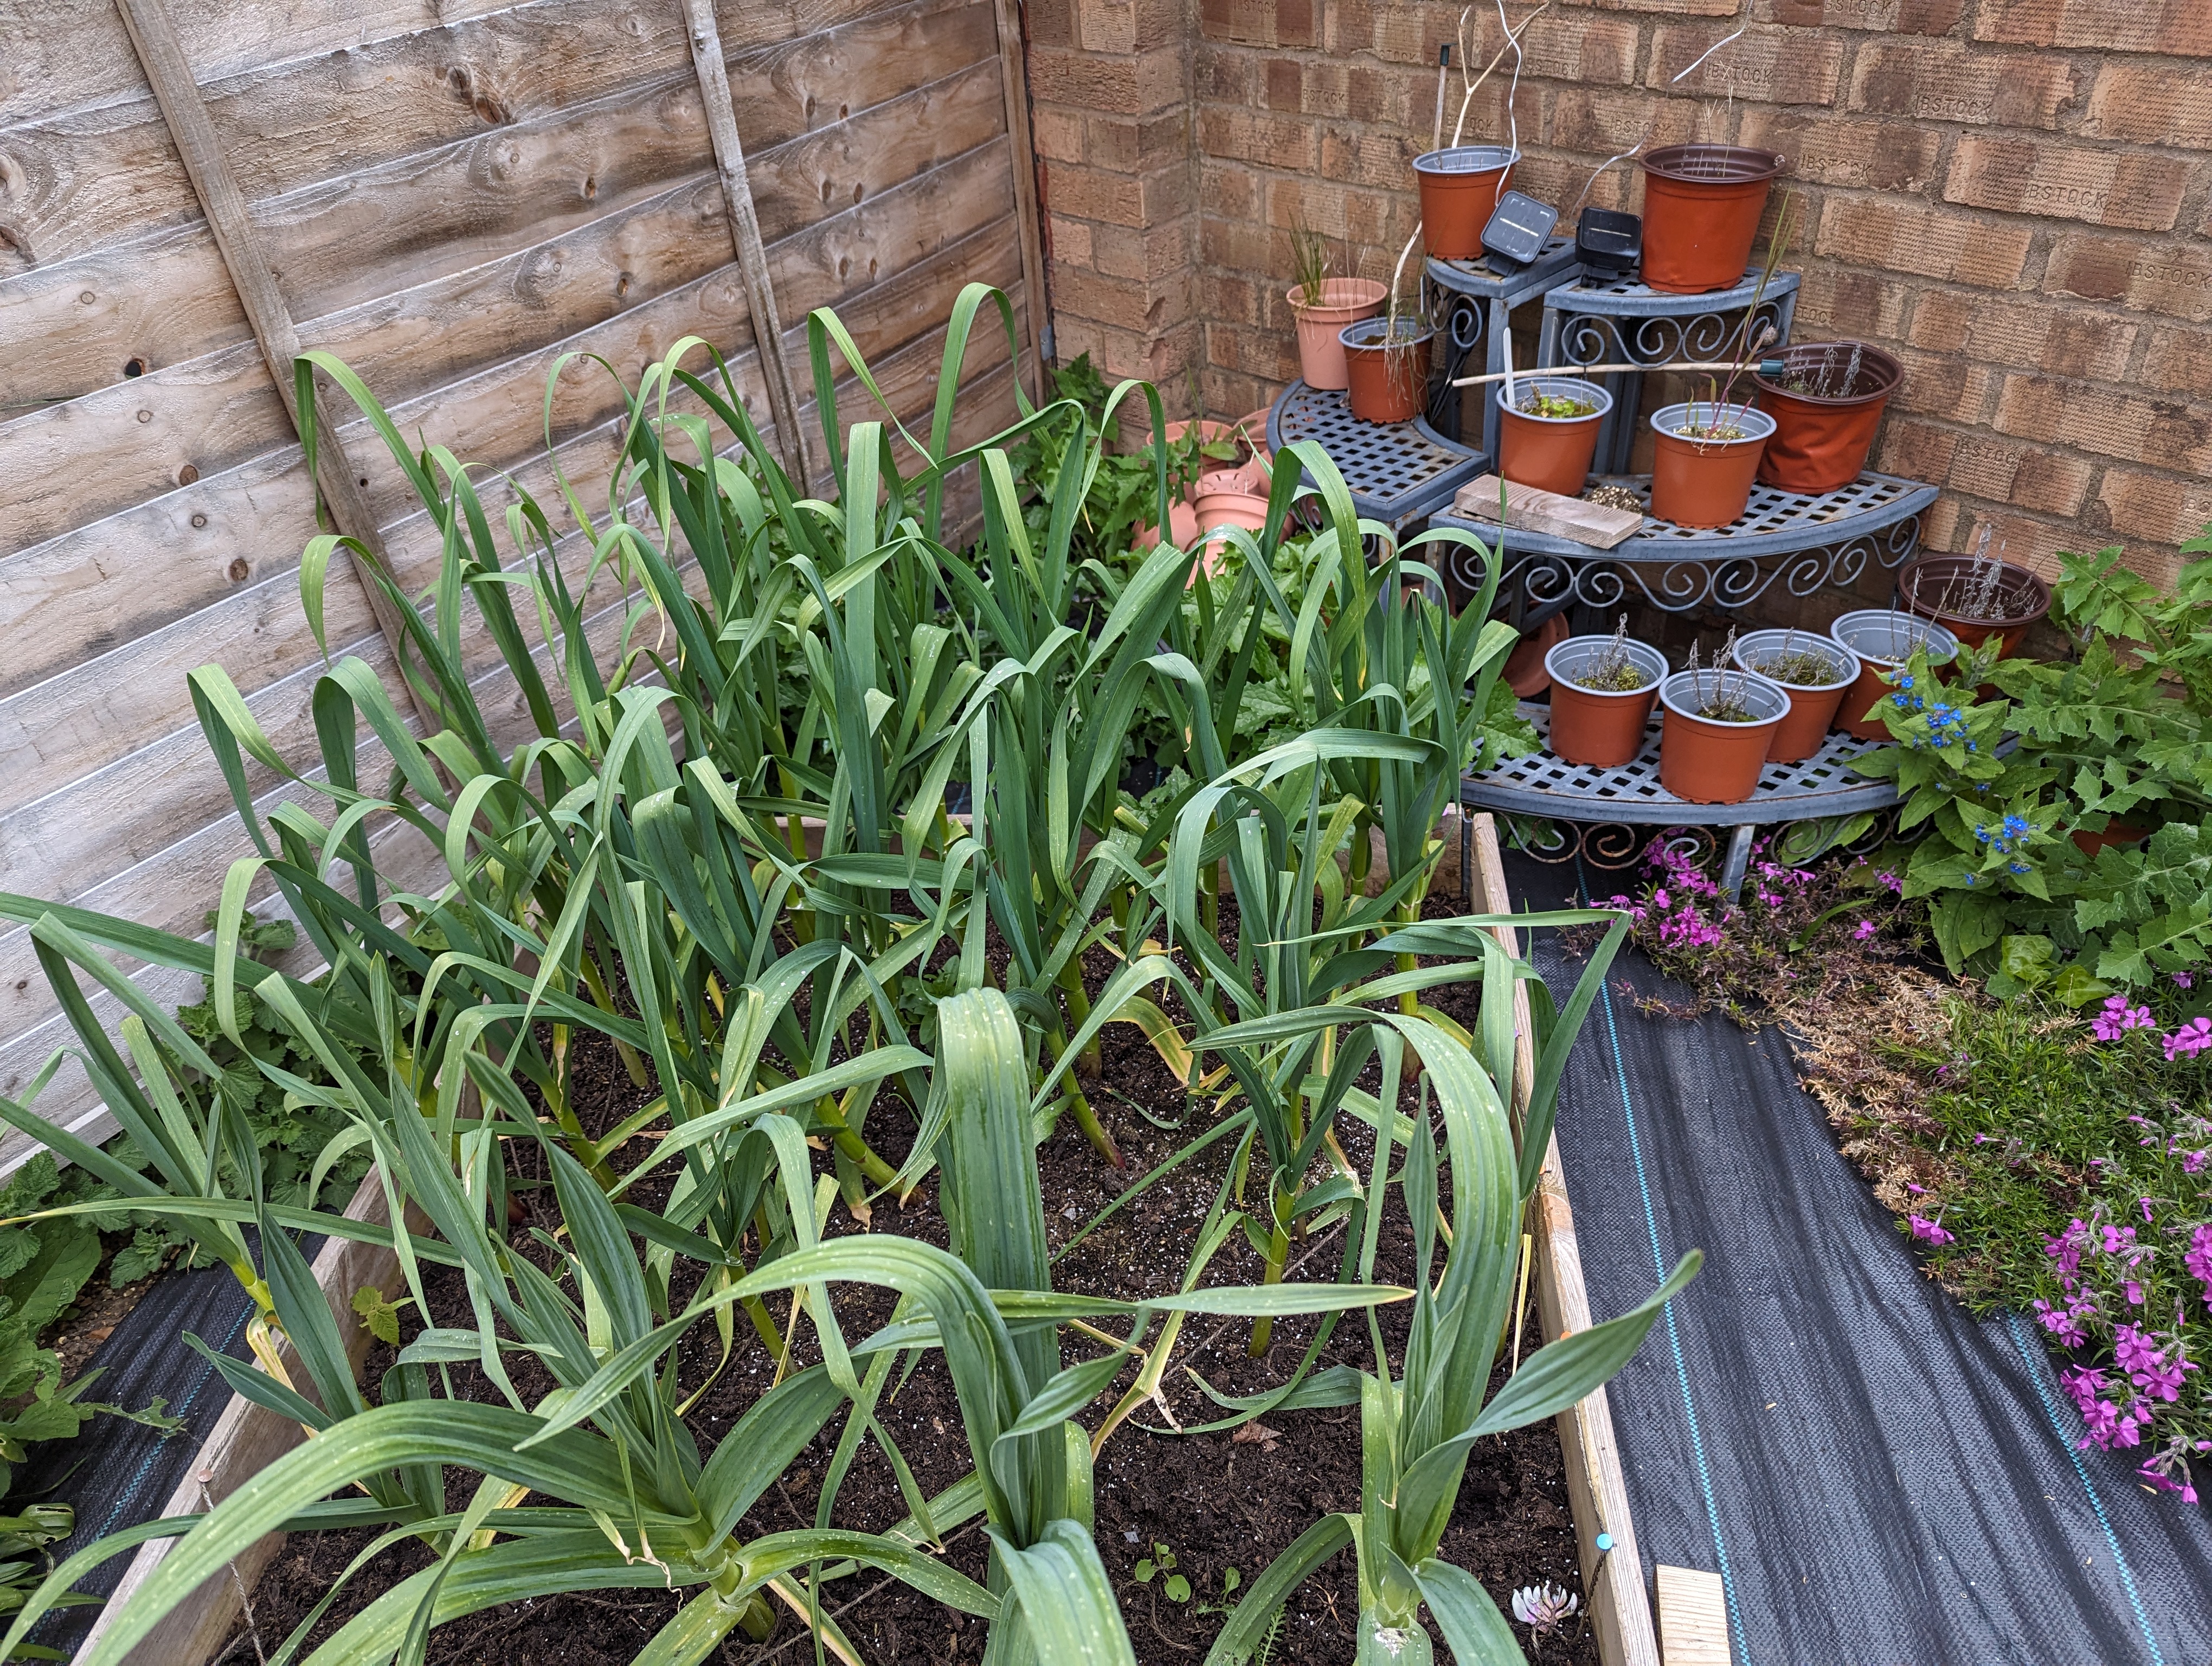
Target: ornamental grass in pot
[(1387, 362), (1719, 722), (1701, 204), (1460, 189), (1826, 402), (1883, 639), (1547, 431), (1705, 460), (1321, 306), (1814, 670), (1976, 596), (1602, 688)]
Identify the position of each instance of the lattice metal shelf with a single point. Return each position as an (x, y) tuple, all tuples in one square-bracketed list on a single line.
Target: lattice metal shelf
[(1397, 471), (1807, 543), (1471, 303), (1546, 786)]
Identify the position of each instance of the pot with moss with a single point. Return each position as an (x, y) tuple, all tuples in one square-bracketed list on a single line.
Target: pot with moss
[(1547, 431), (1602, 688), (1814, 670)]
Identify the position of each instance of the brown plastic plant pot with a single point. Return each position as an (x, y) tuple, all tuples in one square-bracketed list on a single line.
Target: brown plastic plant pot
[(1599, 728), (1223, 502), (1707, 761), (1525, 673), (1460, 189), (1343, 301), (1705, 483), (1389, 383), (1551, 453), (1883, 639), (1702, 203), (1821, 440), (1812, 705), (2117, 832), (1931, 586)]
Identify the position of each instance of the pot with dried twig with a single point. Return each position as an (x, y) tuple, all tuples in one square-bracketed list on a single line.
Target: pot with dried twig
[(1976, 596), (1883, 639), (1602, 688), (1706, 456), (1719, 722), (1387, 360), (1814, 670), (1826, 401)]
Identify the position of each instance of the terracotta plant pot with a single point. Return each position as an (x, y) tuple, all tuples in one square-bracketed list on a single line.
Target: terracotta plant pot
[(1551, 453), (1705, 483), (1883, 639), (1701, 209), (1708, 762), (1182, 527), (1812, 705), (1343, 301), (1598, 727), (1388, 383), (1525, 673), (2116, 833), (1222, 502), (1935, 587), (1251, 430), (1460, 189), (1821, 440)]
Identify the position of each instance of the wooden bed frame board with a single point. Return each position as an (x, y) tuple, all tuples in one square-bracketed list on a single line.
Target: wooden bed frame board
[(1612, 1581), (247, 1439)]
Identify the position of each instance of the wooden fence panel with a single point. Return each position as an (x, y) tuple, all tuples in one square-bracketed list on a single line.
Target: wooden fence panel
[(450, 209)]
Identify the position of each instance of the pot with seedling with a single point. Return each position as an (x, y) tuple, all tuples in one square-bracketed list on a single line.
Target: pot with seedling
[(1976, 596), (1602, 688), (1547, 431), (1719, 722), (1387, 359), (1826, 401), (1814, 670), (1883, 639), (1706, 459), (1323, 305)]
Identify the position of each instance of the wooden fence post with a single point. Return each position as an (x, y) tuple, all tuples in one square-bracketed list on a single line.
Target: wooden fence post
[(1013, 74)]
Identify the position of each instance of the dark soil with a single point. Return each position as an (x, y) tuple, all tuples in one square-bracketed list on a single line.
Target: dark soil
[(1218, 1500)]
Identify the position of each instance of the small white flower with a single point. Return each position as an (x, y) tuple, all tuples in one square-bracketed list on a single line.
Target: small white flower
[(1543, 1607)]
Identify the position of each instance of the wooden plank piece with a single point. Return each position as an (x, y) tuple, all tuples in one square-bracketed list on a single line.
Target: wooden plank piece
[(1013, 61), (1693, 1627), (745, 232), (1612, 1582), (1533, 509)]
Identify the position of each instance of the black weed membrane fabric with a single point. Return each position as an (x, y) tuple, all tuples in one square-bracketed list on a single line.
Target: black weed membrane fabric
[(1879, 1479), (117, 1474)]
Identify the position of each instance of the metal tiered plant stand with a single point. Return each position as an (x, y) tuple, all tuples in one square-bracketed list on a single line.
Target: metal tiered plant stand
[(1551, 804), (1471, 306), (1601, 321), (1398, 471), (1805, 542)]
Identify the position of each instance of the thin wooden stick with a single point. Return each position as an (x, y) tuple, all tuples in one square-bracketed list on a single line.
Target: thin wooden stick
[(170, 74), (745, 233), (1766, 367), (1014, 77)]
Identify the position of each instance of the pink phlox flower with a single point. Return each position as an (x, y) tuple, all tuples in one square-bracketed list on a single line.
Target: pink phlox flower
[(1917, 1191), (2133, 1349), (2064, 1323), (2066, 1248), (2193, 1162), (2146, 1209), (2198, 1260), (2119, 1018), (1661, 898), (1932, 1231), (1892, 881), (2183, 981), (1866, 929), (2193, 1038)]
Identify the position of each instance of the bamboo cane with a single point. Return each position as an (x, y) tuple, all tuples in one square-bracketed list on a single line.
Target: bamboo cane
[(1765, 367)]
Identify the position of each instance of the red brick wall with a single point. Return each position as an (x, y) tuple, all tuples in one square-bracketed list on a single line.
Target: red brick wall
[(2015, 196)]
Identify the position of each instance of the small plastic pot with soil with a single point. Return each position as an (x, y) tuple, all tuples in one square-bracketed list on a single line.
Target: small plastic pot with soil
[(1547, 434), (1705, 460), (1883, 639), (1460, 189), (1826, 402), (1602, 688), (1814, 670), (1343, 301), (1975, 597), (1702, 203), (1389, 363), (1713, 740)]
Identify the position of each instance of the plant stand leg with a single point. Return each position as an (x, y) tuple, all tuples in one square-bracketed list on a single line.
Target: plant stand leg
[(1739, 860)]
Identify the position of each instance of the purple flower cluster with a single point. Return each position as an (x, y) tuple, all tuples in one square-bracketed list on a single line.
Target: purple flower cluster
[(2103, 1268), (2193, 1038), (1932, 1231), (2119, 1018)]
